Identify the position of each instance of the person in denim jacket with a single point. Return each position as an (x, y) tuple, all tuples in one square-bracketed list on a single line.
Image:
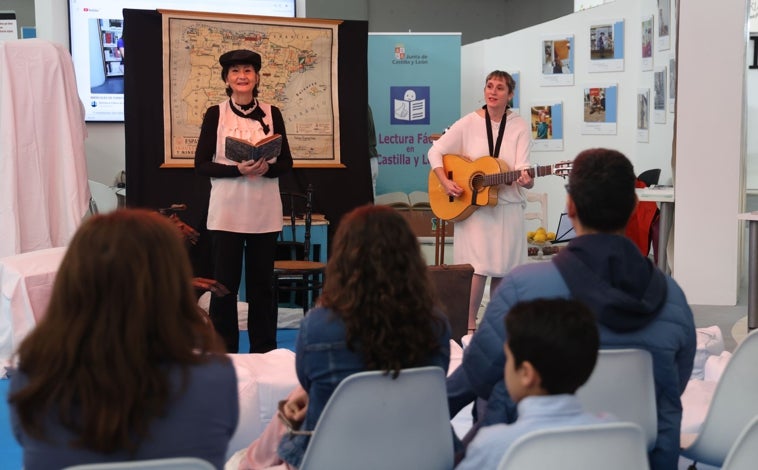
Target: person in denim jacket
[(378, 311)]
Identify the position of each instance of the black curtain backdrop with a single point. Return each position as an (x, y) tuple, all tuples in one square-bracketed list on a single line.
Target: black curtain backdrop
[(336, 190)]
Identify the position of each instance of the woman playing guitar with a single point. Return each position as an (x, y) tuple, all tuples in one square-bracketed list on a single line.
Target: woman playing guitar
[(492, 238)]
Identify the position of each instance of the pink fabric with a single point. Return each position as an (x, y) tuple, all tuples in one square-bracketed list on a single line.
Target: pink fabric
[(26, 283), (262, 380), (261, 454), (43, 172)]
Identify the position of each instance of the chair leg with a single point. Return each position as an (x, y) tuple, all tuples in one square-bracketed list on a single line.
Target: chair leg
[(275, 302)]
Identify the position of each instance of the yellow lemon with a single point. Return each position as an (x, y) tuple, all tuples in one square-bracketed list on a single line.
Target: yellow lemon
[(530, 235), (541, 230), (540, 237), (551, 235)]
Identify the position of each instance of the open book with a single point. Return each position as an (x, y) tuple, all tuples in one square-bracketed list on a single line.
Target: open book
[(416, 200), (241, 150)]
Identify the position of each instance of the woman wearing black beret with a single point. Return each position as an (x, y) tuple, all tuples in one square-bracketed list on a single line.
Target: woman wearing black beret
[(245, 209)]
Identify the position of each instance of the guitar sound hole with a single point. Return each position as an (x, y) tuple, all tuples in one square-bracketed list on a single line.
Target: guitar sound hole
[(477, 183)]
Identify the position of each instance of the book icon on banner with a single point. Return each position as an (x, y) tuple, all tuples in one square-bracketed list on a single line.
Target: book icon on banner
[(240, 150), (409, 105), (409, 108)]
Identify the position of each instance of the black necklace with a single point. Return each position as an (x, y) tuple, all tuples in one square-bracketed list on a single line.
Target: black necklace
[(245, 107)]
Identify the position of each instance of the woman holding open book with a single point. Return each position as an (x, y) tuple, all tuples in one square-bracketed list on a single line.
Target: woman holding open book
[(493, 238), (245, 209)]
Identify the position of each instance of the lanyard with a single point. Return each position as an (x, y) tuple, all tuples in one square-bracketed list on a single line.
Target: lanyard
[(495, 150)]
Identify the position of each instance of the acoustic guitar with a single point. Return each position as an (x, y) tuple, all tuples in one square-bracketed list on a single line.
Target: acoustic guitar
[(479, 179)]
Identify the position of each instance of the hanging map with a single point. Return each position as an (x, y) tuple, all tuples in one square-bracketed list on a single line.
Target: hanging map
[(298, 75)]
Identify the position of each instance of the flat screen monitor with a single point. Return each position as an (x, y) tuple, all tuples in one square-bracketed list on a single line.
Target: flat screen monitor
[(98, 49)]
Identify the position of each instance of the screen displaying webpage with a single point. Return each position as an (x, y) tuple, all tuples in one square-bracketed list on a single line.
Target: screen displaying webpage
[(98, 47)]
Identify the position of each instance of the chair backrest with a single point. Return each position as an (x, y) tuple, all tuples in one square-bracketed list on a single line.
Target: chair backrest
[(650, 177), (541, 214), (623, 384), (103, 198), (744, 453), (732, 406), (620, 446), (175, 463), (375, 421), (298, 206)]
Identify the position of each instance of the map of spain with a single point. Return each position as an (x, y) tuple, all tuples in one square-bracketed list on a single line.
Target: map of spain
[(298, 76)]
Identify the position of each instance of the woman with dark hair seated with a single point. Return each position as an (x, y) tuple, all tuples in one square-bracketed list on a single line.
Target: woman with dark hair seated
[(124, 365), (377, 312)]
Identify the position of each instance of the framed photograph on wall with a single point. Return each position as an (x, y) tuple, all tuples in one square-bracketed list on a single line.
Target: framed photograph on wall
[(664, 25), (547, 126), (600, 110), (515, 103), (659, 95), (557, 59), (646, 35), (606, 47), (643, 115)]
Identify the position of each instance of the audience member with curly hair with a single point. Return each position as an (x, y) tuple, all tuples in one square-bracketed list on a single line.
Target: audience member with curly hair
[(377, 312)]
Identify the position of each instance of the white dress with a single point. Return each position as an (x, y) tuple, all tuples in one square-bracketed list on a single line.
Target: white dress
[(493, 238)]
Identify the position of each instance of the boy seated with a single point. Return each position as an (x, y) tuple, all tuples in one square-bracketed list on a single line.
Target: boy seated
[(550, 352)]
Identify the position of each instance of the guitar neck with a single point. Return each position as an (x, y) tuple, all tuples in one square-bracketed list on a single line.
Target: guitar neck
[(509, 177)]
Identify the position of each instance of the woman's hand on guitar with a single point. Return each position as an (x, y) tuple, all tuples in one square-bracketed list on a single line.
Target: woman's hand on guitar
[(525, 180), (452, 188), (447, 186)]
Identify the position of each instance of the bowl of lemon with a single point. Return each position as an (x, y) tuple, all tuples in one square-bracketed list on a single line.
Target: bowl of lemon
[(540, 238)]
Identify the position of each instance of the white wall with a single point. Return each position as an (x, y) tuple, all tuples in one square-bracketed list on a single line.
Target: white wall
[(520, 51), (710, 116), (710, 150)]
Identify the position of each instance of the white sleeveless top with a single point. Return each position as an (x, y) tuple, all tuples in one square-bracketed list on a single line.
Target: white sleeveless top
[(245, 204)]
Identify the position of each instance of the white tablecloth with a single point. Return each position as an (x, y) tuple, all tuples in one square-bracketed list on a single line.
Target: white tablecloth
[(26, 283)]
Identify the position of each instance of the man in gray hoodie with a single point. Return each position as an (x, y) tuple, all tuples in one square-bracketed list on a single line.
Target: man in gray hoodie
[(635, 304)]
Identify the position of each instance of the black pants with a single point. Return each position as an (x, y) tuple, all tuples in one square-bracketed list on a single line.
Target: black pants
[(259, 249)]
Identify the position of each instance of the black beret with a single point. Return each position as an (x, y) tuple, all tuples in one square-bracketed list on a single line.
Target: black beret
[(241, 56)]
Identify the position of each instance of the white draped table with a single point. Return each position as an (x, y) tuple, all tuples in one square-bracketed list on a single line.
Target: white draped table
[(26, 283)]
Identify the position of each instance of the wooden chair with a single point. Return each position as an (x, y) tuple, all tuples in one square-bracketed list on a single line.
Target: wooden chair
[(541, 214), (294, 272)]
